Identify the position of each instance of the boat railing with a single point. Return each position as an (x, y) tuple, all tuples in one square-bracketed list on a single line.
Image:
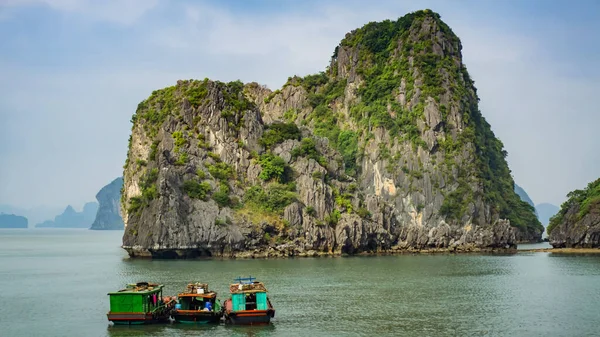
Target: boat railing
[(163, 306), (245, 280)]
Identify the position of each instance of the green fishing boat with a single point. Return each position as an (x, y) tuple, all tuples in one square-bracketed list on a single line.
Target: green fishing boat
[(248, 303), (197, 304), (140, 303)]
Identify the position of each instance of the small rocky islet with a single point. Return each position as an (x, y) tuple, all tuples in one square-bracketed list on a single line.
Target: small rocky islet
[(385, 151), (577, 223)]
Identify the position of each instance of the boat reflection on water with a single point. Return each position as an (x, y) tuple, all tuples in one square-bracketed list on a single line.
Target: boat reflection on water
[(175, 329)]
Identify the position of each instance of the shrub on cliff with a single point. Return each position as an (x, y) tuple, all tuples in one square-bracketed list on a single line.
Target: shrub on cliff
[(273, 167), (278, 132), (274, 199), (222, 196), (221, 171), (197, 190)]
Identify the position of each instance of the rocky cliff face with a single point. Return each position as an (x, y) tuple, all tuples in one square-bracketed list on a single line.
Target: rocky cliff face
[(577, 224), (108, 216), (385, 151)]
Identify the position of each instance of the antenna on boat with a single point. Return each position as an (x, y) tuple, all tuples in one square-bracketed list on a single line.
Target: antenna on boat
[(246, 280)]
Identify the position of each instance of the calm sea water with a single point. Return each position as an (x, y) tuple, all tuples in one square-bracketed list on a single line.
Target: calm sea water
[(54, 283)]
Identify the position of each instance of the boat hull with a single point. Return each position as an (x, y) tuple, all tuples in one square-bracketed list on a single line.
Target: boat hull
[(250, 317), (134, 318), (196, 317)]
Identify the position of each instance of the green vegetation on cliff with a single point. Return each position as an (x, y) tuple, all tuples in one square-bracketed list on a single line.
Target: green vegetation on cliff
[(308, 148), (384, 52), (278, 132), (390, 60), (585, 200), (197, 190), (272, 199), (498, 184), (154, 111), (393, 124), (148, 189)]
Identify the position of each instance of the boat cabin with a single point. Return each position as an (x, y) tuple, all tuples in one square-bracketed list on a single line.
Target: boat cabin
[(138, 303), (197, 297), (248, 296), (137, 297), (249, 301), (197, 304)]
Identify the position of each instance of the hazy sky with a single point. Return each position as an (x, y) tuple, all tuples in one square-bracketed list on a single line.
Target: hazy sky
[(73, 71)]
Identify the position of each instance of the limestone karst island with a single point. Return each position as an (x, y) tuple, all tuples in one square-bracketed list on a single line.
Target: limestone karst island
[(384, 151), (326, 168)]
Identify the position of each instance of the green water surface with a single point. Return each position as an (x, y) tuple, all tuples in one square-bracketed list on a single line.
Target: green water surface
[(54, 283)]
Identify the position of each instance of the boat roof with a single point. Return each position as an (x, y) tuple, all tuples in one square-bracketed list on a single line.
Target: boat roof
[(247, 285), (205, 295), (141, 288), (197, 285), (191, 291)]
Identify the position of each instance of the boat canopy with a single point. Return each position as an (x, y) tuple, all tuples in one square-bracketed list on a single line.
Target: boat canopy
[(247, 285), (138, 297), (143, 288)]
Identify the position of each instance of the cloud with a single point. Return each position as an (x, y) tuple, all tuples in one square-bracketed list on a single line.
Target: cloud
[(68, 126)]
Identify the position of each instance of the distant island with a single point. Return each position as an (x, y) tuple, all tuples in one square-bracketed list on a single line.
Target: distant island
[(101, 215), (73, 219), (109, 198), (34, 214), (546, 211), (12, 221), (543, 211)]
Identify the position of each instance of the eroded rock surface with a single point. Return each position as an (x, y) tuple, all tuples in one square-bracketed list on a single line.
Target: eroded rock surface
[(384, 152)]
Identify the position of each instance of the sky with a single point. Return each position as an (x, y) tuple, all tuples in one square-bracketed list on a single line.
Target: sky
[(73, 71)]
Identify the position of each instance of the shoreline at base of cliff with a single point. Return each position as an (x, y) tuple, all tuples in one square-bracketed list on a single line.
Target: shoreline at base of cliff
[(272, 253), (563, 250)]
